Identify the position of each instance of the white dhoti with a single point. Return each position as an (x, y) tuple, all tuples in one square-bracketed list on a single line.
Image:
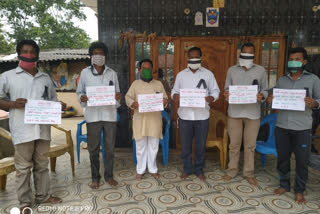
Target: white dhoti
[(146, 151)]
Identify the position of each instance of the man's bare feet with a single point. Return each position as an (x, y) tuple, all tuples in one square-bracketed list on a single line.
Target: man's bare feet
[(94, 185), (226, 177), (52, 200), (155, 175), (202, 177), (139, 177), (252, 181), (279, 191), (300, 198), (183, 176), (112, 182)]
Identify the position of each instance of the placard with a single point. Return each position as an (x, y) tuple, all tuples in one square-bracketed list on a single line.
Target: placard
[(289, 99), (101, 95), (150, 102), (243, 94), (42, 112), (193, 98)]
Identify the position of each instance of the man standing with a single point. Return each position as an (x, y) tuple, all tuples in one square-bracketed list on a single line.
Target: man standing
[(194, 122), (99, 118), (147, 127), (244, 119), (293, 129), (31, 141)]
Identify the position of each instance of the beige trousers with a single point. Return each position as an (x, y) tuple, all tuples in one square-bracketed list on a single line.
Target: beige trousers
[(248, 129), (32, 155)]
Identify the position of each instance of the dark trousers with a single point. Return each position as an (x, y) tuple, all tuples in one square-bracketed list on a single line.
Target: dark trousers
[(199, 130), (109, 139), (297, 142)]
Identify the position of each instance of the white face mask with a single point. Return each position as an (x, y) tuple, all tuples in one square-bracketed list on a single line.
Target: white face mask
[(194, 64), (98, 60), (246, 60)]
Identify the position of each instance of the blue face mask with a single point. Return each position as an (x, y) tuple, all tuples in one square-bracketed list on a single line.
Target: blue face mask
[(294, 66)]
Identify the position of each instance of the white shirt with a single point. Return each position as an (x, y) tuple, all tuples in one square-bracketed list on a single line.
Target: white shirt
[(87, 78), (187, 79), (18, 83)]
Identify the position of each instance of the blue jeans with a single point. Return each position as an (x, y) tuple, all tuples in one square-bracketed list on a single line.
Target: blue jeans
[(199, 130)]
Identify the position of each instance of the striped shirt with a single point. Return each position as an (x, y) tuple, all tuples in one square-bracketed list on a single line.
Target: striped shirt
[(18, 83), (90, 77)]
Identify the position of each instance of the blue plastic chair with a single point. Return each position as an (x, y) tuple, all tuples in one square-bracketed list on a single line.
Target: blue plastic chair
[(268, 147), (83, 138), (164, 142)]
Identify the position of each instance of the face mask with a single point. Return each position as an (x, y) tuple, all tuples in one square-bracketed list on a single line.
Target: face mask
[(294, 66), (27, 61), (194, 64), (98, 60), (246, 60), (147, 74)]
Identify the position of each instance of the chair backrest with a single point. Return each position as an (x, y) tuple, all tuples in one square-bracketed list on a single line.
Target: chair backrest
[(216, 118), (165, 115), (271, 120)]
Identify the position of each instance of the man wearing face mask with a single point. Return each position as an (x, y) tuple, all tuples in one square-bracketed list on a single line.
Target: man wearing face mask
[(244, 119), (293, 129), (99, 118), (31, 141), (146, 127), (194, 122)]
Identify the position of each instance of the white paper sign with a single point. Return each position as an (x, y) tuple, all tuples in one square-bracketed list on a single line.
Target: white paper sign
[(289, 99), (150, 102), (101, 95), (42, 112), (193, 98), (243, 94)]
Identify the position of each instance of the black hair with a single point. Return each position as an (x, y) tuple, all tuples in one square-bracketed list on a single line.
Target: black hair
[(21, 43), (248, 44), (298, 50), (98, 45), (145, 60), (195, 49)]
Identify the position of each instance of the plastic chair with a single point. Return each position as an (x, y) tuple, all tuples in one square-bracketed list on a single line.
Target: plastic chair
[(268, 147), (164, 142), (83, 138)]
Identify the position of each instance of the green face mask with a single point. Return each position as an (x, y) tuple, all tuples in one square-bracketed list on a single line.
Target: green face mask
[(294, 66), (147, 74)]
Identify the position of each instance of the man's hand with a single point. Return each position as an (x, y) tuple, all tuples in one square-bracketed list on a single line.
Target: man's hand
[(209, 99), (226, 95), (165, 102), (311, 103), (269, 98), (260, 96), (63, 106), (176, 98), (84, 98), (118, 96), (19, 103), (135, 105)]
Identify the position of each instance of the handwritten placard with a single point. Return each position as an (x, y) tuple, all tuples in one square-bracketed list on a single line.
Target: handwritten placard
[(150, 102), (42, 112), (193, 98), (243, 94), (101, 95), (289, 99)]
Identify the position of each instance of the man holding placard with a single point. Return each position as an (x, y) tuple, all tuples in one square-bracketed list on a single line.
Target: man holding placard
[(245, 87), (99, 93), (194, 89), (295, 95), (21, 87), (147, 98)]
